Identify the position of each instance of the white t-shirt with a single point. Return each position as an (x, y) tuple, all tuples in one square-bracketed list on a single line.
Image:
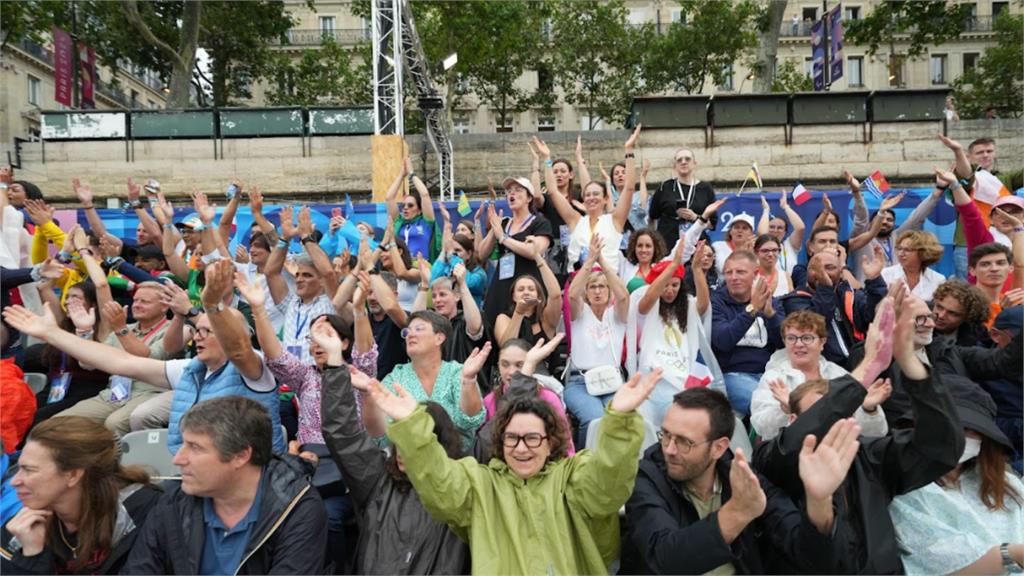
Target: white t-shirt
[(173, 369), (579, 240), (598, 342), (930, 280)]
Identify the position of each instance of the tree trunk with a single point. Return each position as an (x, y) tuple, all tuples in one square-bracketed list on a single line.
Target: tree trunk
[(183, 57), (768, 48)]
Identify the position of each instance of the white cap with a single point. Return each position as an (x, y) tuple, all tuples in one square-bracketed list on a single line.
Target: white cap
[(524, 182), (741, 217)]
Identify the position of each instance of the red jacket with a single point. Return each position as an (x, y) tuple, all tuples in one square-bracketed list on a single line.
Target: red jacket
[(19, 405)]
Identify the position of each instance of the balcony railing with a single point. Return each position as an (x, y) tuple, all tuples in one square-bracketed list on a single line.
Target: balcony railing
[(315, 36), (36, 50), (803, 28)]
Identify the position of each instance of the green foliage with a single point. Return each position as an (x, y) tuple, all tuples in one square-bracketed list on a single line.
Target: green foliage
[(711, 35), (328, 76), (596, 57), (924, 22), (789, 78), (998, 79)]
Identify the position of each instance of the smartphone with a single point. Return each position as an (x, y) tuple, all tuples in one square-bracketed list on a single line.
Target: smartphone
[(335, 212), (680, 203)]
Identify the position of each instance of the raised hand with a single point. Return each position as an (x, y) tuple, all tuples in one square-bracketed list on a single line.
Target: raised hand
[(634, 392), (764, 204), (163, 211), (594, 250), (459, 273), (604, 173), (953, 145), (38, 211), (823, 470), (542, 148), (110, 245), (175, 298), (892, 201), (203, 208), (361, 293), (81, 317), (327, 338), (23, 320), (826, 202), (475, 362), (219, 279), (361, 381), (424, 268), (288, 229), (254, 294), (579, 146), (713, 207), (395, 406), (852, 182), (115, 314), (365, 258), (241, 254), (541, 350), (82, 191), (781, 394), (878, 345), (878, 393), (256, 200), (1012, 298), (406, 166), (677, 254), (748, 497), (305, 222), (633, 138), (873, 266), (51, 269), (759, 295), (445, 216), (783, 199), (645, 167)]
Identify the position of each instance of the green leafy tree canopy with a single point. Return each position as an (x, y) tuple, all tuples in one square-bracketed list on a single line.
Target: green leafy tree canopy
[(997, 82)]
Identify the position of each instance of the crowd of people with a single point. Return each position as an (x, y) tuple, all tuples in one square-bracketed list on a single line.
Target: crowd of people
[(582, 381)]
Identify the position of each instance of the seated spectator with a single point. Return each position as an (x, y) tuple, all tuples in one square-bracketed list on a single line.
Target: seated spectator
[(573, 502), (669, 329), (898, 463), (991, 265), (961, 311), (768, 248), (789, 247), (19, 405), (447, 293), (916, 251), (533, 311), (82, 511), (699, 508), (739, 236), (598, 308), (225, 362), (745, 328), (247, 510), (428, 377), (646, 248), (962, 521), (804, 335), (1006, 388), (822, 239), (847, 311)]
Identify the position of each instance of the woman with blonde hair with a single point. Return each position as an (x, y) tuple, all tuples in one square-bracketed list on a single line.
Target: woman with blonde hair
[(916, 250), (82, 508)]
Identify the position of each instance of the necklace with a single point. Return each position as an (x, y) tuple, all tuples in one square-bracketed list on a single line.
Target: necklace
[(60, 531)]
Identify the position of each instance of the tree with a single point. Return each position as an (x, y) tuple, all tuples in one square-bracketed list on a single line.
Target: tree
[(328, 76), (709, 37), (182, 56), (923, 22), (769, 22), (996, 82), (790, 78), (596, 57)]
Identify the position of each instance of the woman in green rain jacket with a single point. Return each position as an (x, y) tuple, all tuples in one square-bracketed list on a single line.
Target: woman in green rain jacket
[(530, 510)]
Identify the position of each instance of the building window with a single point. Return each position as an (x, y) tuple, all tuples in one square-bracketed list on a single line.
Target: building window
[(585, 123), (546, 124), (809, 67), (970, 61), (366, 27), (851, 13), (938, 69), (545, 81), (327, 24), (726, 83), (460, 123), (135, 100), (998, 8), (33, 90), (810, 14), (971, 23), (503, 124), (677, 16), (855, 71)]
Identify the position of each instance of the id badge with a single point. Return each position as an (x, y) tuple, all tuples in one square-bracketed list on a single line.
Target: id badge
[(624, 243), (59, 388), (120, 388), (295, 351), (563, 235), (507, 266)]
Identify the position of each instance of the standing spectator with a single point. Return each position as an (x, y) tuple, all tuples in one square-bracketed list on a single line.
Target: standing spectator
[(950, 110), (248, 511), (745, 328), (777, 227), (414, 224), (916, 252), (677, 203)]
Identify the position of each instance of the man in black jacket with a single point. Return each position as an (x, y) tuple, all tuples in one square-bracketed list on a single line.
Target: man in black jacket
[(239, 509), (696, 508), (903, 461)]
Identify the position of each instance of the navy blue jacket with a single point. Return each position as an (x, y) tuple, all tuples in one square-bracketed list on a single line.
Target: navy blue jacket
[(729, 322)]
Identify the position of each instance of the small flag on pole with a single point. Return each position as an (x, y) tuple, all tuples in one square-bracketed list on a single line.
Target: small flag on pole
[(463, 207), (700, 375), (350, 210), (755, 175), (800, 194), (877, 184)]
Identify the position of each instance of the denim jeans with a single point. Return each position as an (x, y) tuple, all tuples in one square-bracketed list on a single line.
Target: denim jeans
[(339, 510), (740, 387), (583, 406)]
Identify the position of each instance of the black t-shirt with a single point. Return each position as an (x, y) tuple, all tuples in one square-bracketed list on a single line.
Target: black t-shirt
[(461, 345), (557, 255), (664, 202), (390, 345)]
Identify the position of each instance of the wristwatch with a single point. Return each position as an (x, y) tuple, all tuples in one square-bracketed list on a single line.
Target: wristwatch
[(123, 331), (1009, 564), (309, 238), (192, 312), (750, 309)]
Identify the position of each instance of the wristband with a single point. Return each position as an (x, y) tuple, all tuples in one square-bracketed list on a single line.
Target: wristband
[(1018, 229), (282, 243), (308, 238), (630, 155), (549, 163), (231, 191), (4, 186)]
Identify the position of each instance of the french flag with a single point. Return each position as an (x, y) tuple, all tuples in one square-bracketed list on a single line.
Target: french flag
[(700, 375), (800, 194)]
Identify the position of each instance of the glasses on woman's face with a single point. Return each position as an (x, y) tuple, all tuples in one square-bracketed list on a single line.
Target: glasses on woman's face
[(532, 440), (905, 249), (414, 329), (203, 331), (597, 287), (806, 339), (683, 445)]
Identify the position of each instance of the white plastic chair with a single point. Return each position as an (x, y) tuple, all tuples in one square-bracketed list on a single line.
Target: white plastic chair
[(36, 381), (148, 448), (741, 439)]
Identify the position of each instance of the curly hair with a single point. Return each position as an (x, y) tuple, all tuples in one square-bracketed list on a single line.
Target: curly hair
[(554, 427), (805, 320), (925, 243), (660, 249), (973, 299)]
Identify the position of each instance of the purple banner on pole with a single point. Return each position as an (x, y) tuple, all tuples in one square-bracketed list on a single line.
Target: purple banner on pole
[(818, 54), (835, 36), (62, 66)]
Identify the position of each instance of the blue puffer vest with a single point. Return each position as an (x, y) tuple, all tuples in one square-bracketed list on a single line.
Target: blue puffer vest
[(226, 381)]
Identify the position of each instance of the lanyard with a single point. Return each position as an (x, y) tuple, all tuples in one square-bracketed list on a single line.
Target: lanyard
[(782, 254), (887, 247), (689, 197), (152, 332), (300, 321), (522, 226)]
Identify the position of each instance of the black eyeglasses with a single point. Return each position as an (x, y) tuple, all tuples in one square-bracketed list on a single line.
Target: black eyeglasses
[(532, 440), (683, 445), (803, 338)]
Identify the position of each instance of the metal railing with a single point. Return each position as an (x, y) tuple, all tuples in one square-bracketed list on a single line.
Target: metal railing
[(315, 36), (803, 28), (36, 51)]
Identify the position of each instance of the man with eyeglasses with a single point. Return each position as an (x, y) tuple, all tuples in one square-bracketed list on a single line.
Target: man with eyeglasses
[(698, 507), (678, 203), (805, 336)]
